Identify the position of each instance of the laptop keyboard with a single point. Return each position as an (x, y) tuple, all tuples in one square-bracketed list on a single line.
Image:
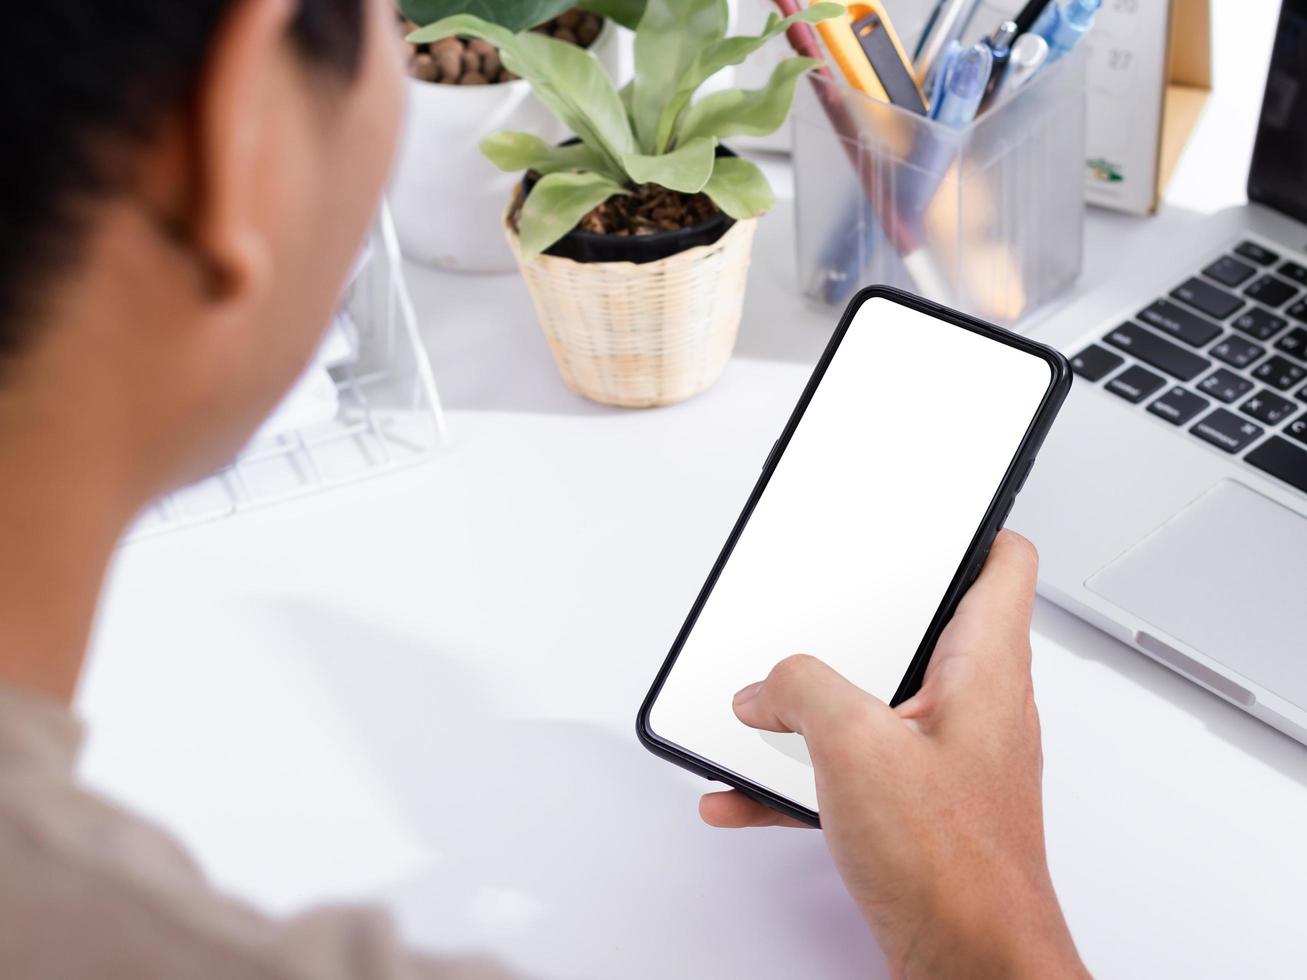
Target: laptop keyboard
[(1222, 356)]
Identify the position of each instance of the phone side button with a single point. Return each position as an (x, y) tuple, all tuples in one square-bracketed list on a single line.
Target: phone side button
[(771, 455), (1024, 477), (1007, 509)]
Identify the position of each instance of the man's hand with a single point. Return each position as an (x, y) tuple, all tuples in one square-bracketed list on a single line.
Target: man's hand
[(933, 810)]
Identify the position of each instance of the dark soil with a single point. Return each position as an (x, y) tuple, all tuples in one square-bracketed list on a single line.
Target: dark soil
[(455, 61), (648, 211)]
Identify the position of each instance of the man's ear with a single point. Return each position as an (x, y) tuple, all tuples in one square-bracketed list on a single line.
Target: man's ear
[(234, 116)]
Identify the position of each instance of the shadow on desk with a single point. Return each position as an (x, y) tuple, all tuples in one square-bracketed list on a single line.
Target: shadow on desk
[(564, 847)]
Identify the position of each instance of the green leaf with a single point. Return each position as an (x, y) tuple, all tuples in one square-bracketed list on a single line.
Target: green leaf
[(556, 204), (746, 112), (685, 169), (564, 77), (668, 35), (625, 12), (739, 188), (512, 152), (723, 53), (519, 15)]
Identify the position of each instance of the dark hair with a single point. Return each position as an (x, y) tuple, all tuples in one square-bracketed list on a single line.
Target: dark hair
[(80, 79)]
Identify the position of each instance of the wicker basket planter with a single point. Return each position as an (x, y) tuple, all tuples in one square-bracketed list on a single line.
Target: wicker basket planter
[(641, 334)]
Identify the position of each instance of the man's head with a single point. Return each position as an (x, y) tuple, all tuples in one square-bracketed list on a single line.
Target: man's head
[(184, 187)]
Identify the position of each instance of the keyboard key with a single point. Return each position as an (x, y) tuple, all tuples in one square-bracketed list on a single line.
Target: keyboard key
[(1251, 250), (1294, 271), (1134, 384), (1237, 352), (1298, 310), (1297, 429), (1225, 386), (1159, 353), (1270, 291), (1180, 323), (1294, 342), (1178, 405), (1229, 271), (1094, 363), (1259, 323), (1279, 372), (1227, 431), (1206, 298), (1282, 460), (1267, 406)]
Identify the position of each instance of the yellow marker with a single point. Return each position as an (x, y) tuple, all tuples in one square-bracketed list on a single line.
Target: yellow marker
[(838, 35)]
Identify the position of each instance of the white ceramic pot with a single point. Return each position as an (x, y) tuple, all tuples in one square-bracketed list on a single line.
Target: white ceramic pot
[(446, 197)]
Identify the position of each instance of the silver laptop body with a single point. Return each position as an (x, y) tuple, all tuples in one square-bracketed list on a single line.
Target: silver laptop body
[(1170, 501)]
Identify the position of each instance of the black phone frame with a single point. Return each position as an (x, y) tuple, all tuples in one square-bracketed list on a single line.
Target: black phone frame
[(968, 569)]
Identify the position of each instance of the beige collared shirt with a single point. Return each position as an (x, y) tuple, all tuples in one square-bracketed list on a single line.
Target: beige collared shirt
[(88, 890)]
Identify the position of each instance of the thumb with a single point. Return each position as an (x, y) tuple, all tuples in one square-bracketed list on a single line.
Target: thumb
[(802, 694)]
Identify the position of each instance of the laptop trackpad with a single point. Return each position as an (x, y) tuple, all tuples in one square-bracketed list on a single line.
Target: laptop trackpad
[(1227, 576)]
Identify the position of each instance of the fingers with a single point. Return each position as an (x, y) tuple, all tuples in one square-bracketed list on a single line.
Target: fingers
[(804, 695), (733, 810), (999, 605)]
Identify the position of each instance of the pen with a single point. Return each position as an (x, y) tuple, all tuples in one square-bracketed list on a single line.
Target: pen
[(803, 39), (1028, 55), (903, 237), (1000, 49), (1062, 25), (1025, 20), (942, 64), (947, 22), (964, 86)]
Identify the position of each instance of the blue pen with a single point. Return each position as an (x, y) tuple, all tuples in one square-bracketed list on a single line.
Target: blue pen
[(1000, 47), (931, 87), (964, 86), (1062, 25)]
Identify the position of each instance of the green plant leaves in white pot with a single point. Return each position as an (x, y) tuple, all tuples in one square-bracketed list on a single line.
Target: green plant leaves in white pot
[(650, 133), (638, 311)]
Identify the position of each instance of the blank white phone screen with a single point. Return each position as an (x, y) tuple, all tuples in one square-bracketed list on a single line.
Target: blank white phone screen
[(860, 531)]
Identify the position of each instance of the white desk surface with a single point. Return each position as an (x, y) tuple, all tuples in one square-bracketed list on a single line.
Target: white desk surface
[(421, 690)]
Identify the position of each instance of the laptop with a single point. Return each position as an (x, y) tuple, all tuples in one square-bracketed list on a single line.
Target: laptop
[(1170, 503)]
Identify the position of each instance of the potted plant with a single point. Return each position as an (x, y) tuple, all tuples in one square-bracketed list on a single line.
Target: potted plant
[(445, 196), (635, 237)]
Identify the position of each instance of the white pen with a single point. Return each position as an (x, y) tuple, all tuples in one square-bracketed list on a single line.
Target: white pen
[(1029, 54)]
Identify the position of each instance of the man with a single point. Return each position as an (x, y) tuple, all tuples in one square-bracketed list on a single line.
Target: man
[(185, 186)]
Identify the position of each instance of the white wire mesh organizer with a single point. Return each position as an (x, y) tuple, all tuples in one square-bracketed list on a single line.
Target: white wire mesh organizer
[(389, 412)]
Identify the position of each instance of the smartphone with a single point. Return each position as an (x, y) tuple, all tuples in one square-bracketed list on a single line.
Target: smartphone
[(874, 513)]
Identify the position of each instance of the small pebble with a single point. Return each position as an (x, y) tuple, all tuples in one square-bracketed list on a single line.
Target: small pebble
[(450, 59), (473, 78), (425, 69), (563, 34), (587, 31)]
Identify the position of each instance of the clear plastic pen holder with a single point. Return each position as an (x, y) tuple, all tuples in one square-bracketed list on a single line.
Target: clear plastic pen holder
[(988, 219)]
